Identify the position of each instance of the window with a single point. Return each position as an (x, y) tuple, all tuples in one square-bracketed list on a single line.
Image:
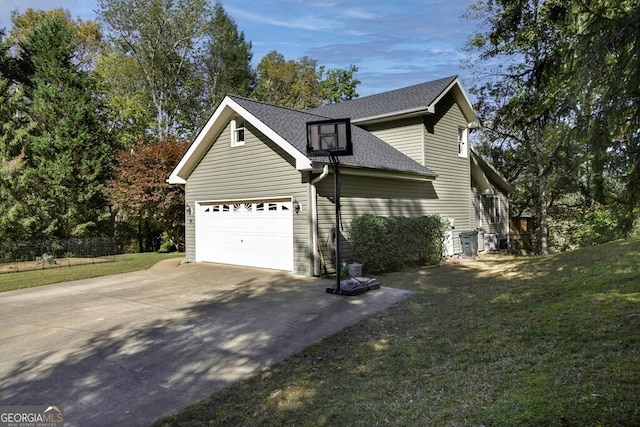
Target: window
[(463, 134), (491, 206), (237, 132)]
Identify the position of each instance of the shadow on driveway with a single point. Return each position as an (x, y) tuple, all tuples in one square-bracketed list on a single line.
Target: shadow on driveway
[(128, 349)]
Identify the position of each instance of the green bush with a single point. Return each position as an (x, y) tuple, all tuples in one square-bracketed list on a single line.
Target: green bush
[(385, 244)]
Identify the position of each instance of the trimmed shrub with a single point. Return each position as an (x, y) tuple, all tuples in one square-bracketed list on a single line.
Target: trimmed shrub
[(385, 244)]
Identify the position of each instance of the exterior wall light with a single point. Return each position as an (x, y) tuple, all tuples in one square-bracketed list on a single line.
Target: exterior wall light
[(296, 206)]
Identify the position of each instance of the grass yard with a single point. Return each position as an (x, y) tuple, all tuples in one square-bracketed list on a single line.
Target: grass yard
[(497, 341), (122, 264)]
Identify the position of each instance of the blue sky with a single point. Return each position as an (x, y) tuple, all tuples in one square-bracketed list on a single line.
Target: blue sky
[(393, 44)]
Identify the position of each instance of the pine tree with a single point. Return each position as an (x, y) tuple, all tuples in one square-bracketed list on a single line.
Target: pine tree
[(14, 126), (66, 154)]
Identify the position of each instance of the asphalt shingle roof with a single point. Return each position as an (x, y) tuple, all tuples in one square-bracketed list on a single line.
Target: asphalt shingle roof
[(368, 150), (395, 101)]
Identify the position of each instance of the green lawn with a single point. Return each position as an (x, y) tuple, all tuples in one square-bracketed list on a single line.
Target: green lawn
[(122, 264), (497, 341)]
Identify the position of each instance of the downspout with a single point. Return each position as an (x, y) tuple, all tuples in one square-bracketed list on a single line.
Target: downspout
[(314, 219)]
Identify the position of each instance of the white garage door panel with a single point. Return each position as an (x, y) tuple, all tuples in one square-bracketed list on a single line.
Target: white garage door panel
[(257, 234)]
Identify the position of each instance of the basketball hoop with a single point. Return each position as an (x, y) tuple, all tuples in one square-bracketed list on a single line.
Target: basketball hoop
[(332, 138), (329, 138)]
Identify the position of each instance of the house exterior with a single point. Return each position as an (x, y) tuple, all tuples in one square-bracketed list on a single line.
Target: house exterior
[(254, 198)]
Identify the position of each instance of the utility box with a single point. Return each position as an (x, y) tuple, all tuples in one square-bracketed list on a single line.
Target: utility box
[(469, 242), (491, 242)]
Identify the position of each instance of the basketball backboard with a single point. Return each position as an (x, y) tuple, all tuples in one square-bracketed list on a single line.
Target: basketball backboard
[(329, 138)]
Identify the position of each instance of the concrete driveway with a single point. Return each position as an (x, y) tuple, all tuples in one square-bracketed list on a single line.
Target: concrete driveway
[(127, 349)]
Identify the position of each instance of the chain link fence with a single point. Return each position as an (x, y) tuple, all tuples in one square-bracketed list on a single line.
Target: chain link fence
[(44, 254)]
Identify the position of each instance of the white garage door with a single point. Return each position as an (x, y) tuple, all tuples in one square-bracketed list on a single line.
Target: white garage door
[(252, 233)]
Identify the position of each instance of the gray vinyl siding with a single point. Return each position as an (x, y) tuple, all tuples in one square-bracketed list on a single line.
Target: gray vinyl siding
[(257, 170), (453, 184), (403, 135), (365, 195), (432, 140)]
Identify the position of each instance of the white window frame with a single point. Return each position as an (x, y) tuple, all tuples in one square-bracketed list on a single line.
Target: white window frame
[(238, 132), (463, 141), (491, 205)]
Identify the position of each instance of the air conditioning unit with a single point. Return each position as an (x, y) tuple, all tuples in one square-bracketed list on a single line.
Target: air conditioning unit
[(490, 242)]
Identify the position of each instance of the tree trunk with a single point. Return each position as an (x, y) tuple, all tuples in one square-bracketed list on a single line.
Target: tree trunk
[(543, 231)]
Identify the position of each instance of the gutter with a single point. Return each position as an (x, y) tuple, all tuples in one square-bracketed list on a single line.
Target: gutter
[(413, 112), (376, 173), (314, 219)]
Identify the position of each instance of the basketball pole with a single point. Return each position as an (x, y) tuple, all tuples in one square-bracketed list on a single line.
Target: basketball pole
[(336, 183)]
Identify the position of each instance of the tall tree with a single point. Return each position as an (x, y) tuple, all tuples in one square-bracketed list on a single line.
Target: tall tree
[(521, 39), (131, 112), (299, 84), (14, 126), (227, 59), (86, 33), (64, 155), (604, 41), (339, 84), (165, 39), (291, 84), (590, 72)]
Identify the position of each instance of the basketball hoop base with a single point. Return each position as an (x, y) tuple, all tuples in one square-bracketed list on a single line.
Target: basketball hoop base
[(349, 292), (354, 289)]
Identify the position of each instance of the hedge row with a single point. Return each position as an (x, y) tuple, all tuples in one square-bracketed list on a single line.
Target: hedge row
[(385, 244)]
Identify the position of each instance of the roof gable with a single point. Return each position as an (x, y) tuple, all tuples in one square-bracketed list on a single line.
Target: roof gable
[(228, 108), (409, 101)]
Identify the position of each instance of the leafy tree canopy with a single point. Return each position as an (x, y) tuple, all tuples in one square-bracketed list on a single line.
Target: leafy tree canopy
[(87, 34), (300, 84), (558, 96)]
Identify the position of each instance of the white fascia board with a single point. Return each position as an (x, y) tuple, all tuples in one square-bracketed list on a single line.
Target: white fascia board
[(459, 94), (396, 114), (199, 147), (479, 177), (491, 172), (214, 126), (463, 101)]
